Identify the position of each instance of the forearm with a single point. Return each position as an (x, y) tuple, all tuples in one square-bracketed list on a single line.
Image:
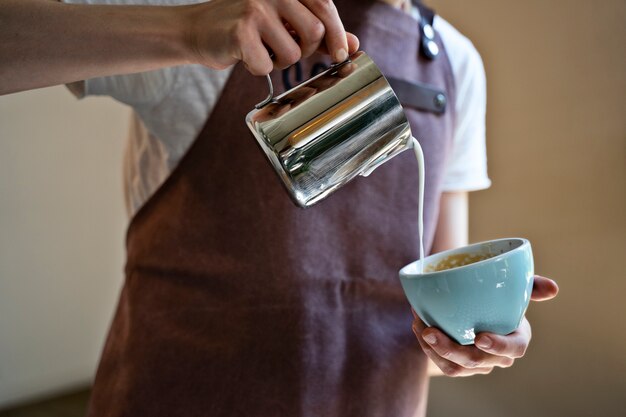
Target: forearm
[(453, 223), (44, 42)]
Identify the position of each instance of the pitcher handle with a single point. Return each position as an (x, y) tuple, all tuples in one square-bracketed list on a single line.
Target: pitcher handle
[(270, 96)]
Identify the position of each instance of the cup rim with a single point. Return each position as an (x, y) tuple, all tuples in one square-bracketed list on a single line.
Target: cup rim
[(407, 275)]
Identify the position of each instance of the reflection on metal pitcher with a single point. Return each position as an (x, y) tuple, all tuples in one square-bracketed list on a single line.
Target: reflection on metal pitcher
[(344, 122)]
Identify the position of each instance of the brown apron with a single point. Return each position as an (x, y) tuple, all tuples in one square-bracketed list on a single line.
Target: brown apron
[(237, 303)]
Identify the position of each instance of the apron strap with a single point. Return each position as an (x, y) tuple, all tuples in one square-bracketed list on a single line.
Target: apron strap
[(419, 96), (428, 46)]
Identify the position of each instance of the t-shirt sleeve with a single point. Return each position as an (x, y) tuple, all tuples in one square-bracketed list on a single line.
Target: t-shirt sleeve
[(467, 164), (140, 90)]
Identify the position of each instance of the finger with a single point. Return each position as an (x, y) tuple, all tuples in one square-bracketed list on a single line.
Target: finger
[(275, 35), (513, 345), (544, 289), (469, 357), (353, 45), (449, 368), (307, 26), (335, 37), (254, 54), (417, 322)]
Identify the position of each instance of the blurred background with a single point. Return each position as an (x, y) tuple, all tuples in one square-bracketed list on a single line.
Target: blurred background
[(556, 131), (556, 142)]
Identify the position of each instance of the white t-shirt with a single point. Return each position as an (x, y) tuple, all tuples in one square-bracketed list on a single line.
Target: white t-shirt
[(171, 106)]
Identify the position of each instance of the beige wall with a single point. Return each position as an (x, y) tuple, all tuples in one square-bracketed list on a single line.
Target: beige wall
[(62, 225), (556, 126)]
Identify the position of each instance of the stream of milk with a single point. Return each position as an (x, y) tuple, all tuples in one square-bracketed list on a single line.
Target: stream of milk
[(419, 155)]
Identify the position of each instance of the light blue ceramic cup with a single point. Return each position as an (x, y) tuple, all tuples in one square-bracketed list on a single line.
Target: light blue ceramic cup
[(487, 296)]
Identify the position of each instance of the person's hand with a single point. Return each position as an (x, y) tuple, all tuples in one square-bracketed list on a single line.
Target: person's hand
[(222, 32), (489, 351)]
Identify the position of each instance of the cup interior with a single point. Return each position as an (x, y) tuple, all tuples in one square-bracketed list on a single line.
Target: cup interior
[(465, 257)]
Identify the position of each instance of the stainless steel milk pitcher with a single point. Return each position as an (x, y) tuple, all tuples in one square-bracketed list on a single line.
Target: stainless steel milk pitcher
[(344, 122)]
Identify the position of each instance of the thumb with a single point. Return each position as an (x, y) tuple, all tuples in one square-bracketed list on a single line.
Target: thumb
[(544, 289)]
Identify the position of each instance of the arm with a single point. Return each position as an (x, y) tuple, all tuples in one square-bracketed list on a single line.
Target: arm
[(447, 357), (452, 226), (45, 42)]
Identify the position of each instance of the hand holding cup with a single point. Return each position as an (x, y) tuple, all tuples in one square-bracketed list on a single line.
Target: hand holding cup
[(475, 299)]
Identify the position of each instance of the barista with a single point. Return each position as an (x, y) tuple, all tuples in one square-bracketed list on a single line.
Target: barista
[(236, 302)]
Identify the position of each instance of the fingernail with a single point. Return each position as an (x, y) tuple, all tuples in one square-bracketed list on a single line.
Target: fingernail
[(430, 338), (484, 342), (414, 314), (341, 55)]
